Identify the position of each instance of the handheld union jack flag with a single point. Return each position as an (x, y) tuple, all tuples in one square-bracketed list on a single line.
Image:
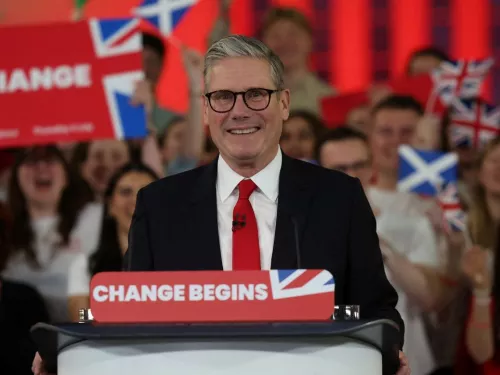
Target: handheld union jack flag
[(454, 217), (114, 37), (473, 122), (117, 43), (298, 283), (424, 172), (164, 14), (460, 78)]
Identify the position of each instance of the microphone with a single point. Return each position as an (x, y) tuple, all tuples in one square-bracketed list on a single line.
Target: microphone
[(239, 222), (297, 245)]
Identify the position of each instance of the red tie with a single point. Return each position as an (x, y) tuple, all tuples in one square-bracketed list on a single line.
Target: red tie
[(246, 252)]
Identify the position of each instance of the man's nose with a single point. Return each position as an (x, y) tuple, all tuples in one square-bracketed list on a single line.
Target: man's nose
[(240, 109)]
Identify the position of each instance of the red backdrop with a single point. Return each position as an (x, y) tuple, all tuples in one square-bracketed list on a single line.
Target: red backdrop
[(356, 41)]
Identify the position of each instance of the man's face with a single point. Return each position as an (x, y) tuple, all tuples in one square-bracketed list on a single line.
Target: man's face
[(242, 135), (350, 156), (298, 138), (359, 118), (152, 64), (391, 129), (290, 42), (424, 64)]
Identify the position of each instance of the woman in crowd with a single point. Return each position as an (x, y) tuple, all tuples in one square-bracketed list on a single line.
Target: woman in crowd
[(119, 204), (300, 134), (53, 223), (20, 308), (97, 161), (484, 213), (181, 146), (478, 345)]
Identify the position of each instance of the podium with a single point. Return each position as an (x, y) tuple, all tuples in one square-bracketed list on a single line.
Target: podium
[(319, 348)]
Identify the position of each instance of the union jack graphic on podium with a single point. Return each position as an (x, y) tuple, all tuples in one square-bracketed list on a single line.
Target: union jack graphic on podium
[(460, 78), (118, 42), (454, 217), (473, 122), (298, 283), (424, 172), (164, 14)]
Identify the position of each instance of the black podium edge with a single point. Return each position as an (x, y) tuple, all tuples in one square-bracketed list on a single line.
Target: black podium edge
[(50, 339)]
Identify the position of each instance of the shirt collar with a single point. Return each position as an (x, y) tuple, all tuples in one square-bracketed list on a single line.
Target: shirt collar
[(267, 180)]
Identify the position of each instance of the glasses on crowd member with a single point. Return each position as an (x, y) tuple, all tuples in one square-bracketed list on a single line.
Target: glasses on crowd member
[(356, 166), (257, 99)]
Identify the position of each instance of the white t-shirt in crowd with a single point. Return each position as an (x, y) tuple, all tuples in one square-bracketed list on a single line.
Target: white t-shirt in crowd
[(51, 279), (79, 276), (410, 235), (396, 201)]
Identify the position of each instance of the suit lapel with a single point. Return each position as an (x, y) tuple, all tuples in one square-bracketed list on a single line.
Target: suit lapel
[(293, 202), (204, 213)]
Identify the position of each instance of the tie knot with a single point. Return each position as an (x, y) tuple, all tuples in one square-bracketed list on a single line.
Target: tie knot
[(246, 188)]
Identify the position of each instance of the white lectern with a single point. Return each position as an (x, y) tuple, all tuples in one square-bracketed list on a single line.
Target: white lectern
[(348, 348)]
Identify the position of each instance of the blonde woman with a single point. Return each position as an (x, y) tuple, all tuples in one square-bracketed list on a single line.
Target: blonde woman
[(480, 342)]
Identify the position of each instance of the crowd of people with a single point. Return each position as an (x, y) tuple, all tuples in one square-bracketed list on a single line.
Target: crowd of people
[(66, 208)]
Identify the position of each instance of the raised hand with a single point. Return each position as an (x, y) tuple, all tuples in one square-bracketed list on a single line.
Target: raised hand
[(143, 94), (193, 63), (475, 267)]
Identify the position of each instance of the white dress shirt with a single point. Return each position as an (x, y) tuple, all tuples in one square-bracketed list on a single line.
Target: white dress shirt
[(264, 201)]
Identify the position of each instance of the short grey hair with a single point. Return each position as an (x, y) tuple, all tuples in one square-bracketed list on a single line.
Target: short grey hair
[(243, 46)]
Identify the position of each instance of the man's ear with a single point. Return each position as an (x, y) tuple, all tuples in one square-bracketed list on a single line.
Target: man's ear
[(285, 104)]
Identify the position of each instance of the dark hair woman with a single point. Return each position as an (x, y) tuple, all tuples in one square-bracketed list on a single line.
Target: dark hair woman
[(119, 205), (52, 223)]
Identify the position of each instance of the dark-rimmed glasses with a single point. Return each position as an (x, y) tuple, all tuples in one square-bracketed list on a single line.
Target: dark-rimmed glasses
[(257, 99)]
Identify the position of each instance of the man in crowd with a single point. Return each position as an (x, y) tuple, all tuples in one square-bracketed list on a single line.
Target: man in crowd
[(408, 245), (425, 60), (393, 123), (290, 35)]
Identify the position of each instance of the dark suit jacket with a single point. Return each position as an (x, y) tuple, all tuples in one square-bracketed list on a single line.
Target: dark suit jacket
[(175, 228)]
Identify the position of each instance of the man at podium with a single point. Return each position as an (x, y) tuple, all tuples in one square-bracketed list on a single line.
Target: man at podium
[(254, 207)]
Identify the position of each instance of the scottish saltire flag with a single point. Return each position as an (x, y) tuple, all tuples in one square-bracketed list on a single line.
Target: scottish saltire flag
[(297, 283), (114, 41), (461, 78), (473, 122), (425, 172), (164, 14), (454, 216)]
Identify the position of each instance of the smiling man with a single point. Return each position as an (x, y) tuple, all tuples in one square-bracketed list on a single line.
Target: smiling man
[(242, 211)]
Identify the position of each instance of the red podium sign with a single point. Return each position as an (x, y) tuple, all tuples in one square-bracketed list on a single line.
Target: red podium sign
[(212, 296)]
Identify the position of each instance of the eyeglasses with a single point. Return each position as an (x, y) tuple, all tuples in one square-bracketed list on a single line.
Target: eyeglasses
[(257, 99)]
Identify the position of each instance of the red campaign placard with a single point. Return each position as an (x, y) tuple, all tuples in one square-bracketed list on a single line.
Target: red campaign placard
[(69, 82), (212, 296)]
